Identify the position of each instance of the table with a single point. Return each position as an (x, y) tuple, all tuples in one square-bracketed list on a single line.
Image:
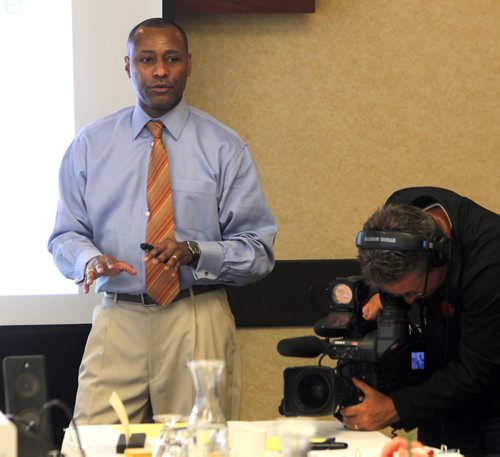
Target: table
[(100, 440)]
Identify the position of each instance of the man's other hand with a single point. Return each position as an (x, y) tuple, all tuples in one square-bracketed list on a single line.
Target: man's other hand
[(372, 307), (375, 412), (104, 265)]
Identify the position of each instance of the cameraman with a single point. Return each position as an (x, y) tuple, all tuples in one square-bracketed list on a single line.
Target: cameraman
[(459, 299)]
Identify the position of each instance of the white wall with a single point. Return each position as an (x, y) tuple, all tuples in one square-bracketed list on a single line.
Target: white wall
[(100, 30)]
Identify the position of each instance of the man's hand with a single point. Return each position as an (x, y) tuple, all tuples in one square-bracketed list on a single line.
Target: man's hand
[(171, 253), (372, 307), (376, 411), (104, 265)]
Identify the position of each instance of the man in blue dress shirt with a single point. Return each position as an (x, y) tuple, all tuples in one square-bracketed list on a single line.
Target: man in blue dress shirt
[(224, 234)]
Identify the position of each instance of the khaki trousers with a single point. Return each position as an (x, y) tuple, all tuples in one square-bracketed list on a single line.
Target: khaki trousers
[(141, 353)]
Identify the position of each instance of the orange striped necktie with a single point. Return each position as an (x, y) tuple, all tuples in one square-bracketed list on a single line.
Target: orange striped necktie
[(160, 284)]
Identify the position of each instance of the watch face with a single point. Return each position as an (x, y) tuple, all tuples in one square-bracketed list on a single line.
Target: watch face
[(194, 248)]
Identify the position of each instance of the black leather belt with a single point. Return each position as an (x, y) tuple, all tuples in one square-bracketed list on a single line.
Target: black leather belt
[(146, 300)]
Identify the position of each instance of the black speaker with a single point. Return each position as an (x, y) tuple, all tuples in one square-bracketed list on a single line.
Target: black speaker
[(25, 387)]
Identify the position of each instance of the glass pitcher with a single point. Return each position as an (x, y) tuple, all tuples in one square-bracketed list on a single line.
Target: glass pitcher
[(207, 426)]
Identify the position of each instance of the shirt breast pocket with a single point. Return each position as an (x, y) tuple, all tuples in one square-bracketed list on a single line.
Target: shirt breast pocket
[(195, 204)]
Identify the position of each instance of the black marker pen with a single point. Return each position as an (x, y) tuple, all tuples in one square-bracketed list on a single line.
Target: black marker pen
[(146, 247), (328, 446)]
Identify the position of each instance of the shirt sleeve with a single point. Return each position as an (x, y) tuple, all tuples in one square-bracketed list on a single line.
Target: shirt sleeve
[(70, 242), (247, 227)]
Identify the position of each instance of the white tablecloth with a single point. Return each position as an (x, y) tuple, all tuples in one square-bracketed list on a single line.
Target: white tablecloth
[(100, 440)]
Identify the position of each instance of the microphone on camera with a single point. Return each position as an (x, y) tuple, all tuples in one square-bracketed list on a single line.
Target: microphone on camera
[(302, 346)]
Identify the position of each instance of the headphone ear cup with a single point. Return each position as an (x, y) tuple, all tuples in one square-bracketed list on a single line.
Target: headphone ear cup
[(438, 255), (435, 259)]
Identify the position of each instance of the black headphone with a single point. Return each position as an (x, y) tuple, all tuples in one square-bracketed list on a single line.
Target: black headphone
[(437, 246)]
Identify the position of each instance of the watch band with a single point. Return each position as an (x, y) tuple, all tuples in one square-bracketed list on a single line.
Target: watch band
[(195, 250)]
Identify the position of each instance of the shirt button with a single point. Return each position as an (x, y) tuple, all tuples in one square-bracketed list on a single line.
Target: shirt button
[(147, 213)]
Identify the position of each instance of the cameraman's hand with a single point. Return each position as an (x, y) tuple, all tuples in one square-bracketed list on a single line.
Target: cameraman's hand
[(372, 307), (376, 411)]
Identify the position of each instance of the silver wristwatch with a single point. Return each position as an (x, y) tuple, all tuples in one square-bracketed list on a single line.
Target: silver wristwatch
[(194, 249)]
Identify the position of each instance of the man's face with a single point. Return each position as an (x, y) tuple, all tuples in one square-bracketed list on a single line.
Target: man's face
[(414, 286), (158, 66)]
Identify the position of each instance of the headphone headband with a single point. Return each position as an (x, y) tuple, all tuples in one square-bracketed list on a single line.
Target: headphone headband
[(390, 240), (403, 241)]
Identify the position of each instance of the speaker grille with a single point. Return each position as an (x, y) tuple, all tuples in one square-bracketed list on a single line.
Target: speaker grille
[(25, 386)]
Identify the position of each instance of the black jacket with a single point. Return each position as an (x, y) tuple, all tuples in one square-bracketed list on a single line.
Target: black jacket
[(463, 345)]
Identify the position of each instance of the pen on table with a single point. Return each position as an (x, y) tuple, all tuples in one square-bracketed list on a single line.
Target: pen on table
[(327, 444)]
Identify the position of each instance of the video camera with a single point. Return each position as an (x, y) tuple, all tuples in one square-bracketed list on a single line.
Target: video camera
[(387, 354)]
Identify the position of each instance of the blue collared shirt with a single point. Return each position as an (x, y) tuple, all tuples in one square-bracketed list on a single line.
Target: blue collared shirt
[(218, 200)]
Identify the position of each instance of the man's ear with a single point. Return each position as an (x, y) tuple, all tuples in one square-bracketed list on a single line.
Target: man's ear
[(127, 65), (190, 64)]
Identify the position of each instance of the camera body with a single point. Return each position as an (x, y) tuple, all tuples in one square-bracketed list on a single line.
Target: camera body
[(387, 354)]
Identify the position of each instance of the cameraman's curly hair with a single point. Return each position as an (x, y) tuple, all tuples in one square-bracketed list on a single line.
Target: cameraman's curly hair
[(381, 267)]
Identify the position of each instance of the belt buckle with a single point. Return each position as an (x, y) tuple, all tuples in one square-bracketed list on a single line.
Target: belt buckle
[(147, 305)]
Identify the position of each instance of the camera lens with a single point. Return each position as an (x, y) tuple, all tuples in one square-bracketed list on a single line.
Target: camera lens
[(314, 390)]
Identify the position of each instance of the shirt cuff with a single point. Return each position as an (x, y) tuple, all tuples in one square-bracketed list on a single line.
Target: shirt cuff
[(81, 263), (210, 262)]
